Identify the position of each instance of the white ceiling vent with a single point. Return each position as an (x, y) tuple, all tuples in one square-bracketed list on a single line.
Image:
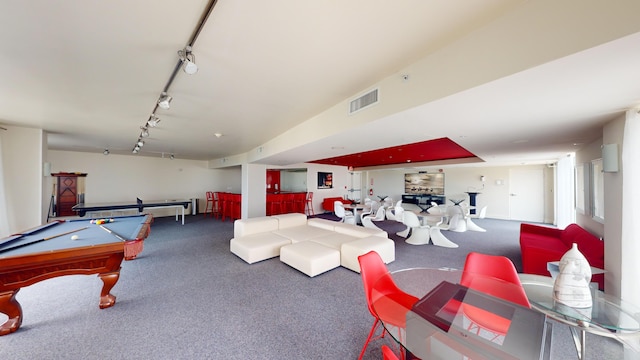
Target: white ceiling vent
[(364, 101)]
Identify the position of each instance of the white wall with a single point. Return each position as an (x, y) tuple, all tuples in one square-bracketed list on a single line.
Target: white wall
[(340, 183), (23, 180), (494, 192), (125, 177), (613, 133), (611, 229), (254, 195)]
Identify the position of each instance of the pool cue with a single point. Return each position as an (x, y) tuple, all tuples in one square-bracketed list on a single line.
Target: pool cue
[(43, 239), (112, 233)]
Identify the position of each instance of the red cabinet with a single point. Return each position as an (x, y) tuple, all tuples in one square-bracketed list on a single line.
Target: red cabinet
[(273, 181)]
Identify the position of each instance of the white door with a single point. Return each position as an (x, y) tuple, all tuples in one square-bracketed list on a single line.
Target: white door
[(526, 195), (355, 191)]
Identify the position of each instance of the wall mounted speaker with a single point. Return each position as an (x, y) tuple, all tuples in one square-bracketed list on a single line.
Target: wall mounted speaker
[(610, 158)]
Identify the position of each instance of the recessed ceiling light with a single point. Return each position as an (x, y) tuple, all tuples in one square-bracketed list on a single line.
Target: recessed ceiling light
[(218, 135)]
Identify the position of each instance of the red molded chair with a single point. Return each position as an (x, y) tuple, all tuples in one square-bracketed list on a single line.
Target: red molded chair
[(479, 273), (387, 353), (387, 303)]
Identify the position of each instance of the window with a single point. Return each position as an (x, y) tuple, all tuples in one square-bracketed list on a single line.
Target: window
[(597, 190), (582, 185)]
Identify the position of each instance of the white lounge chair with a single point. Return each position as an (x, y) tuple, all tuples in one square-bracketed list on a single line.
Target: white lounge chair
[(438, 239), (419, 233), (480, 214), (369, 220), (345, 216), (395, 213), (459, 224), (473, 226)]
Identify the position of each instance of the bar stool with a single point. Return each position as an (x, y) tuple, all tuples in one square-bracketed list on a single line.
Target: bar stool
[(299, 200), (288, 203), (216, 204), (235, 204), (271, 198), (309, 204), (224, 205), (274, 204), (209, 205)]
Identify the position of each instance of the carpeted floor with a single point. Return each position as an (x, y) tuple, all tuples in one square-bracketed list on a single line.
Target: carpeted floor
[(187, 296)]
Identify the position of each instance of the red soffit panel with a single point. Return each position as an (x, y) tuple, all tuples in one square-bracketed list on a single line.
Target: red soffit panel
[(431, 150)]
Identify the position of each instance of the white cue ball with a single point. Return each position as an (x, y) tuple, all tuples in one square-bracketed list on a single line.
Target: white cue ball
[(74, 237)]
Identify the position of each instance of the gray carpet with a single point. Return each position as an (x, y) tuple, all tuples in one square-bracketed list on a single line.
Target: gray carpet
[(187, 296)]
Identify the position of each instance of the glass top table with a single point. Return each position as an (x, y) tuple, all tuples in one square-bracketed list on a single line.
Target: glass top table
[(439, 325), (609, 316)]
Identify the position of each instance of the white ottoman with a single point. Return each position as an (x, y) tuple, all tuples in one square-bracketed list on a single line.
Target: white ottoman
[(350, 251), (310, 257), (257, 247)]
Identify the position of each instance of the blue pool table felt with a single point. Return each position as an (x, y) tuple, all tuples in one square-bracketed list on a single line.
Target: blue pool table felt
[(127, 227)]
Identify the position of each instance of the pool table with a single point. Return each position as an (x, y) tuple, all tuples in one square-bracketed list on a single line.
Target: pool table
[(49, 251)]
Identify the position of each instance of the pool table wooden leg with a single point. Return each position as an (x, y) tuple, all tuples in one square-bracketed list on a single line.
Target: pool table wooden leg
[(109, 279), (11, 307)]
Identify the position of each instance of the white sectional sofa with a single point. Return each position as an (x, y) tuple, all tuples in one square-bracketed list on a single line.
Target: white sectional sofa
[(312, 246)]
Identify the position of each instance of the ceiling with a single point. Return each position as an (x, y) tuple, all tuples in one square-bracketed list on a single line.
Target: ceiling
[(510, 81)]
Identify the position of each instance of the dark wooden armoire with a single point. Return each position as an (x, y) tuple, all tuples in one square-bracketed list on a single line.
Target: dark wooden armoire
[(69, 191)]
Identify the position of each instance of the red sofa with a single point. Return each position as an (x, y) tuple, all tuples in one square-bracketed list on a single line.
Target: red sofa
[(541, 244), (327, 203)]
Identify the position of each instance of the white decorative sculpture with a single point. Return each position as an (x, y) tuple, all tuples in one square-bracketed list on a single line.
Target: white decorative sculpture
[(571, 286)]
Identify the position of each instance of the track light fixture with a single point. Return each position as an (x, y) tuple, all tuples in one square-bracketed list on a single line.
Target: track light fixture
[(171, 157), (106, 152), (164, 101), (188, 60), (153, 121)]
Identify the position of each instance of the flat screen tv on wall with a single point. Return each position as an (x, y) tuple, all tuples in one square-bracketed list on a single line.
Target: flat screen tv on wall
[(423, 183)]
